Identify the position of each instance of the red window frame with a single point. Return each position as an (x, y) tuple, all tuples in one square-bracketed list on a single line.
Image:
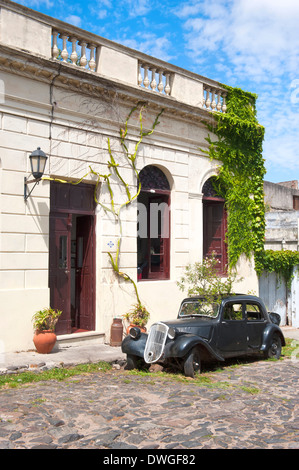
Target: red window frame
[(154, 252)]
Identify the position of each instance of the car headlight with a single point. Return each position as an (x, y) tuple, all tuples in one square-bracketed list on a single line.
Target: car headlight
[(171, 333), (135, 332)]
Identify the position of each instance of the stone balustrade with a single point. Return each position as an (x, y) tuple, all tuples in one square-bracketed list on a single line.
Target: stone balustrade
[(82, 52), (214, 98), (41, 35), (154, 78)]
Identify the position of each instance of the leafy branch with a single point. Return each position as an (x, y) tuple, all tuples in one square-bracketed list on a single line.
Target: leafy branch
[(203, 280)]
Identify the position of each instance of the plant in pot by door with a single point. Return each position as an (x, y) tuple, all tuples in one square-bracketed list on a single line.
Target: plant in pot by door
[(138, 316), (44, 322)]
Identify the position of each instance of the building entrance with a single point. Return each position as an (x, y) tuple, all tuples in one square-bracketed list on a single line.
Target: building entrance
[(72, 256)]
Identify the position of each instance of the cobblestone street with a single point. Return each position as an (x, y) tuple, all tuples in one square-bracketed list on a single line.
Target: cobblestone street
[(251, 406)]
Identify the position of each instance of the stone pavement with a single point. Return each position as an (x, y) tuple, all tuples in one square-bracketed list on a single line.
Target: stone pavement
[(251, 406)]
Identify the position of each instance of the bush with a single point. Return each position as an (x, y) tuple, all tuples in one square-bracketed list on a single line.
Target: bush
[(202, 279)]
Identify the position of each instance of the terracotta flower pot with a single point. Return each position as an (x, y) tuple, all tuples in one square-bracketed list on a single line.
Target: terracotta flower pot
[(143, 329), (44, 341)]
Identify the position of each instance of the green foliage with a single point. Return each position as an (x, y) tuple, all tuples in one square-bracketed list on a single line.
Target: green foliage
[(282, 262), (202, 279), (46, 319), (240, 182), (239, 148), (139, 315)]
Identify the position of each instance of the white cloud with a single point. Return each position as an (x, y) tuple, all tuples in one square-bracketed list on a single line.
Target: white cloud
[(256, 36), (74, 19), (138, 7), (37, 3), (151, 44), (101, 14), (253, 44)]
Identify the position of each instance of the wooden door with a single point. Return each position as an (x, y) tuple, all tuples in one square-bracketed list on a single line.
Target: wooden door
[(72, 248), (85, 285), (60, 268)]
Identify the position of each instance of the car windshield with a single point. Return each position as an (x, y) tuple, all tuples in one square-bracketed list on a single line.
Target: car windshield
[(199, 307)]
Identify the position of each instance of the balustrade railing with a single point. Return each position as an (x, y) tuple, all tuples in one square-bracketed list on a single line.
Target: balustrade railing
[(69, 48), (214, 99), (78, 51), (74, 46), (154, 78)]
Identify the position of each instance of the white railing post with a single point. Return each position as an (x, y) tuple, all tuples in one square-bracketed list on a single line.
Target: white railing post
[(55, 50), (64, 52), (74, 55), (92, 62)]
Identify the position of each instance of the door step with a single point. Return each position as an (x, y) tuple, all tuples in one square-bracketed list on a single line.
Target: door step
[(80, 339)]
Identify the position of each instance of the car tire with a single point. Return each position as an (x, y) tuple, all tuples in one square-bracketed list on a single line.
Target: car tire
[(192, 363), (274, 350), (135, 362)]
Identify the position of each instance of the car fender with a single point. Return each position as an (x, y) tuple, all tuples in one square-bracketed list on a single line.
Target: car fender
[(183, 344), (268, 334), (134, 347)]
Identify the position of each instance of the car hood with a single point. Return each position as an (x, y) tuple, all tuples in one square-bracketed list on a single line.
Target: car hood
[(199, 326)]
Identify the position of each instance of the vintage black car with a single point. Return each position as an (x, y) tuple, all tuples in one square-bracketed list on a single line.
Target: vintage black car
[(234, 325)]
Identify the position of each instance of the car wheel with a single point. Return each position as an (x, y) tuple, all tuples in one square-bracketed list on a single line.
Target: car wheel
[(135, 362), (192, 363), (274, 350)]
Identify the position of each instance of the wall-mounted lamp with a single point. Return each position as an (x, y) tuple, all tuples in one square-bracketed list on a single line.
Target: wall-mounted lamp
[(38, 160)]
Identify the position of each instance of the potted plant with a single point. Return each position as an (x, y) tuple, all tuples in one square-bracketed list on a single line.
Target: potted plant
[(138, 316), (44, 322)]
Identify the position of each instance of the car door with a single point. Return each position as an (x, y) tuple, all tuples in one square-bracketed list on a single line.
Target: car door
[(255, 325), (231, 337)]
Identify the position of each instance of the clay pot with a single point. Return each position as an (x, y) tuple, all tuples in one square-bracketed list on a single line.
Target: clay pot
[(44, 341)]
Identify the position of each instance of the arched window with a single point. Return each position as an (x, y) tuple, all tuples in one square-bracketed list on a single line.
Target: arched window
[(153, 227), (214, 225)]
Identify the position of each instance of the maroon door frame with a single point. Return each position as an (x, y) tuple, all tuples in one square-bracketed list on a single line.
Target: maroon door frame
[(72, 209)]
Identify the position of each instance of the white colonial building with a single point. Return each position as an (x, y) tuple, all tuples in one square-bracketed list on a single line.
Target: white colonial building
[(69, 92)]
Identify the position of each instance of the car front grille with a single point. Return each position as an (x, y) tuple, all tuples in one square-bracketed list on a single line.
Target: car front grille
[(155, 342)]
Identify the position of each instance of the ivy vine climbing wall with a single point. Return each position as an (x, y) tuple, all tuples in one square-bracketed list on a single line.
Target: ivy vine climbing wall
[(240, 181)]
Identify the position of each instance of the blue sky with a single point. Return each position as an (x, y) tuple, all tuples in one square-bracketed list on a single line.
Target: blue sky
[(251, 44)]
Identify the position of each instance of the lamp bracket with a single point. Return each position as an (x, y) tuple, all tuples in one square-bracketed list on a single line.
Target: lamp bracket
[(26, 182)]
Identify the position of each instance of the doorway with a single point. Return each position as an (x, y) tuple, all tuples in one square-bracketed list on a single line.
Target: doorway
[(72, 256)]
